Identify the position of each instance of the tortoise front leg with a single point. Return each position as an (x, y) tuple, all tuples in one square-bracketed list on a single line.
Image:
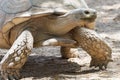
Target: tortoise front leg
[(91, 42), (16, 56)]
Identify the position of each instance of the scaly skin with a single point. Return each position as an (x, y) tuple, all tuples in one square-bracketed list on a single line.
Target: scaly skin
[(91, 42), (16, 57), (68, 52)]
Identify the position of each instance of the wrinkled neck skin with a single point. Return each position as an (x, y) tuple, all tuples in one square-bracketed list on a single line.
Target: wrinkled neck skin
[(62, 25)]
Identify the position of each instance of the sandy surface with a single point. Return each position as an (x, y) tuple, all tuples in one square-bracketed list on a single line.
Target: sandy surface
[(46, 64)]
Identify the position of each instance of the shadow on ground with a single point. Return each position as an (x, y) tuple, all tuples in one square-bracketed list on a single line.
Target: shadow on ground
[(52, 67)]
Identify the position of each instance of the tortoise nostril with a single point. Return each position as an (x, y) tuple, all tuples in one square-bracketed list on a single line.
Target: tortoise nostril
[(94, 13), (86, 12)]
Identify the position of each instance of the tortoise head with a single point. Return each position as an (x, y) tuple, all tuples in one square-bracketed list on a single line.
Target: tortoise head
[(83, 17)]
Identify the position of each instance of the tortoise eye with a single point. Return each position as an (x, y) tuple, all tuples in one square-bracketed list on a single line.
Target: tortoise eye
[(86, 12)]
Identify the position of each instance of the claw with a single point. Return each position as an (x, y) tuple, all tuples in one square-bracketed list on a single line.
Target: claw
[(17, 73), (105, 66), (10, 77), (110, 60), (16, 76), (99, 63), (96, 66), (1, 78), (92, 63), (13, 75), (100, 67)]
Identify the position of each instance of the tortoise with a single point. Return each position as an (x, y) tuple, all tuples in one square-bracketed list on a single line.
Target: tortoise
[(28, 24)]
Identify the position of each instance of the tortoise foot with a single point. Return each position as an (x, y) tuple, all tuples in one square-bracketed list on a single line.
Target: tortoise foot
[(100, 62), (10, 74)]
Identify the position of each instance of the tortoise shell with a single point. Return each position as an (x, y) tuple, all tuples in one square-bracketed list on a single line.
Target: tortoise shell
[(14, 12)]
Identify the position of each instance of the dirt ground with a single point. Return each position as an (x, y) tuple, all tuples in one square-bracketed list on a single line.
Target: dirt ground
[(45, 63)]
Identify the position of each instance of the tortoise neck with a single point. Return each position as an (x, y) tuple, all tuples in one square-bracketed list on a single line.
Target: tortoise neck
[(62, 25)]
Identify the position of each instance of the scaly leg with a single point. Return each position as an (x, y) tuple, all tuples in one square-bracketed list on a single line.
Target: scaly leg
[(72, 54), (91, 42), (16, 56), (68, 52)]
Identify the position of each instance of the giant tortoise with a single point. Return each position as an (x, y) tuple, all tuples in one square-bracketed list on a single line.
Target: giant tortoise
[(28, 24)]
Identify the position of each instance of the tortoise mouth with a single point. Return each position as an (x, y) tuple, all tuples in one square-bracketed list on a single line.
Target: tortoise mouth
[(90, 19), (90, 24)]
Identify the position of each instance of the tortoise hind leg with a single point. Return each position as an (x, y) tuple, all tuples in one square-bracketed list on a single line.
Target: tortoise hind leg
[(72, 55), (16, 56), (68, 52)]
